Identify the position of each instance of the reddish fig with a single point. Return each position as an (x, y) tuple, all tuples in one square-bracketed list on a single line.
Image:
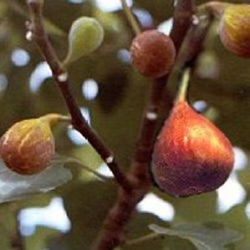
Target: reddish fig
[(191, 155), (28, 146), (152, 53)]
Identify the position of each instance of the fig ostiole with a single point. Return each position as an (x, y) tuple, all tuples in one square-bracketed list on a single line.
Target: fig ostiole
[(191, 155), (152, 53), (28, 146)]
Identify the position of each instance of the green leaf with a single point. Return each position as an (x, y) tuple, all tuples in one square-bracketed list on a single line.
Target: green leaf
[(204, 237), (14, 186)]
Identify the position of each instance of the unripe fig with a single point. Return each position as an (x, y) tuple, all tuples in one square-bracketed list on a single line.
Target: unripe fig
[(85, 35), (28, 146), (191, 155), (152, 53), (235, 29)]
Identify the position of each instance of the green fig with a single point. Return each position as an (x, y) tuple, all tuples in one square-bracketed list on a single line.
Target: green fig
[(86, 35), (191, 155), (28, 146), (152, 53)]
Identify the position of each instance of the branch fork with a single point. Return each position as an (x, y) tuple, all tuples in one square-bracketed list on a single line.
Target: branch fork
[(132, 186)]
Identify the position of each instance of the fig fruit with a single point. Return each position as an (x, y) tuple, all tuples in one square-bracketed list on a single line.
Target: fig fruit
[(86, 35), (152, 53), (28, 146), (191, 155), (235, 29)]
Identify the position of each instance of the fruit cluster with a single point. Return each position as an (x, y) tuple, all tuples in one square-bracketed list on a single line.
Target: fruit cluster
[(191, 155)]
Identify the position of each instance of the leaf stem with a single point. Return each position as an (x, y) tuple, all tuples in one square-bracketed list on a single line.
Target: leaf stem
[(142, 239), (77, 161), (130, 17)]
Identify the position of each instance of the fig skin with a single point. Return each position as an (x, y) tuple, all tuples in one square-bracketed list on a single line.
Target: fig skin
[(191, 155), (235, 29), (152, 53), (28, 146)]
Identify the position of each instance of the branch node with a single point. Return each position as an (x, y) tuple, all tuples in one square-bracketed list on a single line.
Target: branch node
[(195, 20), (109, 159), (152, 116), (62, 77), (29, 36)]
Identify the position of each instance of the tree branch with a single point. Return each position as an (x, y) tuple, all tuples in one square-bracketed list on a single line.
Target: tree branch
[(137, 183), (17, 242), (182, 19), (135, 26), (112, 233), (193, 43), (39, 35)]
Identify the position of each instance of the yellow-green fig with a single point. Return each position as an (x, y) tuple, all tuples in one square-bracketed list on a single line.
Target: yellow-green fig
[(86, 35), (235, 29), (28, 146)]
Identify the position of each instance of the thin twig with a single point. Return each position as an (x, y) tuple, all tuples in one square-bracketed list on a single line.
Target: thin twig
[(130, 17), (182, 19), (78, 161), (39, 35), (22, 11), (193, 43)]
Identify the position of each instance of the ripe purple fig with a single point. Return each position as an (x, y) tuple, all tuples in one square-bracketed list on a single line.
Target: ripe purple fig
[(191, 155), (153, 53), (28, 146)]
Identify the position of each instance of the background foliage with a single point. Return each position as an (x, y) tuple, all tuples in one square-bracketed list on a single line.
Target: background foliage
[(115, 113)]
